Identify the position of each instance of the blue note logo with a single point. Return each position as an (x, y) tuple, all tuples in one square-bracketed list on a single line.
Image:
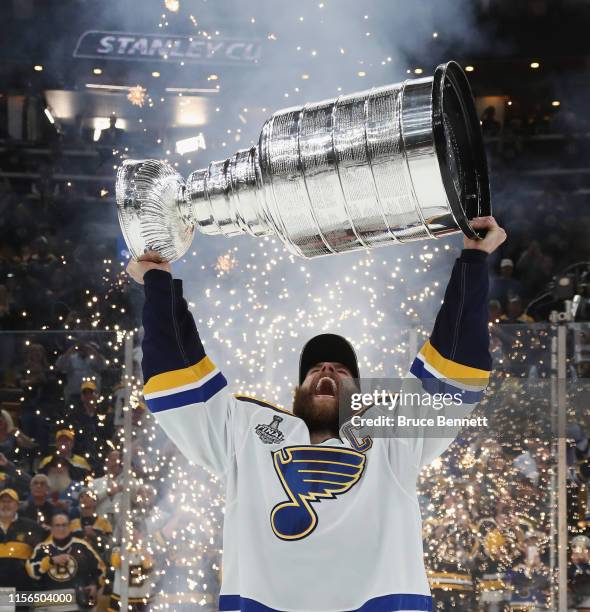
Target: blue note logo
[(270, 434), (309, 474)]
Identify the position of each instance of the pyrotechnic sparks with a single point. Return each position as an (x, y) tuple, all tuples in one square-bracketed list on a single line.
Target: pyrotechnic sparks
[(255, 305), (225, 263), (136, 95)]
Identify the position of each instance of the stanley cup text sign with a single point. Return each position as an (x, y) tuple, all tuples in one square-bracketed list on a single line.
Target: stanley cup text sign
[(167, 48)]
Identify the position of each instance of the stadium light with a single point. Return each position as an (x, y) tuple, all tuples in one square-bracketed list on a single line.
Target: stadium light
[(188, 145)]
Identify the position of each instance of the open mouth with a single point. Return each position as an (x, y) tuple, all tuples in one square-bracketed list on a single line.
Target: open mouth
[(326, 387)]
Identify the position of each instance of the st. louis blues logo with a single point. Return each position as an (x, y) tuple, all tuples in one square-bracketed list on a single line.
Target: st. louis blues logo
[(308, 474), (270, 434)]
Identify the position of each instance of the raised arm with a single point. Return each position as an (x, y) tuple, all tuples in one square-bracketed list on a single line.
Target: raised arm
[(183, 388), (456, 357)]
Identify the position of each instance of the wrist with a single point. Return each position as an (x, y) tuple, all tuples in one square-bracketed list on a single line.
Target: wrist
[(157, 275), (156, 281), (472, 255)]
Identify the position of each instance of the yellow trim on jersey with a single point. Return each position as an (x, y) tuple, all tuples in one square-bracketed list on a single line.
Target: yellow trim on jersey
[(451, 369), (44, 461), (270, 404), (449, 576), (116, 559), (362, 445), (491, 585), (101, 564), (450, 581), (132, 600), (101, 523), (179, 378), (15, 550), (445, 586), (320, 460), (75, 460), (79, 461)]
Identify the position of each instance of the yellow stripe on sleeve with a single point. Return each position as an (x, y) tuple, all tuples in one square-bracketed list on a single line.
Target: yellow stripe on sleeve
[(179, 378), (451, 369), (15, 550)]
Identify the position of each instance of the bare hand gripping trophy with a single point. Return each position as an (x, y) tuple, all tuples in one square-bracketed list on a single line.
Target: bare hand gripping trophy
[(388, 165)]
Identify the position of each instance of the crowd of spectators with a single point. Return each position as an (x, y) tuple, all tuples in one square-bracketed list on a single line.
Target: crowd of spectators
[(489, 504), (51, 279), (63, 490), (540, 187), (62, 498), (59, 256)]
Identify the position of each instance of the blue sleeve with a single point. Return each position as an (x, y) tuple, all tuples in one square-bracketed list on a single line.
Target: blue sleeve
[(455, 359), (458, 348), (176, 370)]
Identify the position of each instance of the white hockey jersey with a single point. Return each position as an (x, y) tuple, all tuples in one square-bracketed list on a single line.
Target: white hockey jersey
[(311, 528)]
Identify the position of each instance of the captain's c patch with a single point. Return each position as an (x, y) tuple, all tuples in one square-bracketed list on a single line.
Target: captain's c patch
[(309, 474)]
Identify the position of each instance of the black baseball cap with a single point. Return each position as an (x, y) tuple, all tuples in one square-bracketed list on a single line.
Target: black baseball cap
[(327, 347)]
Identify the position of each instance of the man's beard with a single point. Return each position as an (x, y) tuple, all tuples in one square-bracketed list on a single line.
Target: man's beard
[(316, 417), (322, 418), (59, 482)]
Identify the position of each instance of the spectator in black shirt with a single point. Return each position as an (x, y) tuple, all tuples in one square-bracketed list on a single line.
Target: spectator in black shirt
[(90, 526), (489, 125), (515, 312), (90, 427), (113, 135), (64, 442), (505, 286), (18, 536), (65, 562)]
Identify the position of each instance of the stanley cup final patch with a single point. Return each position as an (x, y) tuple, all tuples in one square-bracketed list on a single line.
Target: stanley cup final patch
[(270, 434)]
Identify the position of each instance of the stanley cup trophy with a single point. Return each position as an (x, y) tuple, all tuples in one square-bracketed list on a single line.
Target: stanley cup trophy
[(384, 166)]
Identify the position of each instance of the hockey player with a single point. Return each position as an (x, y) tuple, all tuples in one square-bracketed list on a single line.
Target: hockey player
[(317, 519)]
